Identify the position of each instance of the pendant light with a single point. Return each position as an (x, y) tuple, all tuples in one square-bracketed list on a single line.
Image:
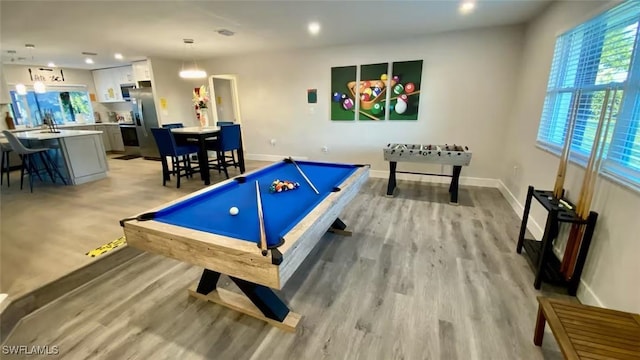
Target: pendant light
[(193, 72)]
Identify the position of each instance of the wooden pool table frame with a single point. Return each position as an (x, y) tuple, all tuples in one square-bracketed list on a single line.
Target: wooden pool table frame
[(242, 260)]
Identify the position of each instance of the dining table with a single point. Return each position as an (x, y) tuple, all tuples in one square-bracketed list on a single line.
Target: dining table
[(202, 135)]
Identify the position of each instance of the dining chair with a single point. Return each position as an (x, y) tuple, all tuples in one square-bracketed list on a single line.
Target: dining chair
[(229, 140), (224, 123), (27, 155), (179, 154)]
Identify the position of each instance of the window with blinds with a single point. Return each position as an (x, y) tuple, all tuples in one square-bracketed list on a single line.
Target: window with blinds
[(595, 61)]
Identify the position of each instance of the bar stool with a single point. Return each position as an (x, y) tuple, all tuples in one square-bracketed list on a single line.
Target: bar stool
[(5, 165), (27, 155)]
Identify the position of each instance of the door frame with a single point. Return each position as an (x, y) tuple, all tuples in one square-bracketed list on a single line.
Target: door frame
[(234, 93)]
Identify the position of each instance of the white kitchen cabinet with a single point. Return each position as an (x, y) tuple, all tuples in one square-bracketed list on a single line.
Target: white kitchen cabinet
[(108, 81), (125, 75), (107, 85), (141, 71), (106, 140), (115, 138)]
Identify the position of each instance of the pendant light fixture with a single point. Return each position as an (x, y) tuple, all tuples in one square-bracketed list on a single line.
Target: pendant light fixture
[(193, 72)]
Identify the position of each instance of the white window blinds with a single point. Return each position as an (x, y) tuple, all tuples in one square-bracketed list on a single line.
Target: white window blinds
[(588, 60)]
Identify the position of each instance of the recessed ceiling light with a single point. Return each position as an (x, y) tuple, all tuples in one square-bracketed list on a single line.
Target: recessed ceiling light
[(314, 28), (30, 46), (467, 7), (51, 64), (118, 56), (88, 60)]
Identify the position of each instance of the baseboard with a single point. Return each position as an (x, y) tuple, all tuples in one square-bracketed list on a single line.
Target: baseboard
[(266, 157), (464, 180), (587, 296), (532, 225)]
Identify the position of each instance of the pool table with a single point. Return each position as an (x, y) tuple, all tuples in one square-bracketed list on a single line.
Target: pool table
[(200, 230)]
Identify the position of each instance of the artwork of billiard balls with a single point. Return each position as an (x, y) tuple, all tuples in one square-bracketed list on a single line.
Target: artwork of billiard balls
[(398, 89), (365, 97), (404, 98), (337, 97), (409, 88), (347, 104), (377, 109), (400, 107), (234, 211), (383, 77), (376, 91)]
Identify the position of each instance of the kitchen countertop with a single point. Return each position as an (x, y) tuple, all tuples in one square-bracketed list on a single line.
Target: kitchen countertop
[(46, 135)]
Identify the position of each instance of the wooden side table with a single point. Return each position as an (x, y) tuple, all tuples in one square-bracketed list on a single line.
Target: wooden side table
[(588, 332)]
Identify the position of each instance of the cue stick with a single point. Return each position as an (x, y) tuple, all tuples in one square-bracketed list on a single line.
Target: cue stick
[(566, 150), (590, 190), (573, 242), (263, 234), (303, 175)]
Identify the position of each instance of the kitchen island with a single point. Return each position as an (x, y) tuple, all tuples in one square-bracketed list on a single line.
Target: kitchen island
[(78, 154)]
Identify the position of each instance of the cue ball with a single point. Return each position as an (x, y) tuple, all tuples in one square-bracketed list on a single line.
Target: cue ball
[(234, 211)]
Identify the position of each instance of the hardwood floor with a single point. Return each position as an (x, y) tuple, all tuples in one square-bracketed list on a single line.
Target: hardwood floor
[(419, 279), (46, 234)]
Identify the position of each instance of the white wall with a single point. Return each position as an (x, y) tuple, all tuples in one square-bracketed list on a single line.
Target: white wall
[(16, 74), (467, 91), (612, 271), (223, 91), (178, 92)]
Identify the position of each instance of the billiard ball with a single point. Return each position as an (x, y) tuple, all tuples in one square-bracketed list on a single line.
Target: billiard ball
[(398, 89), (365, 97), (347, 104), (366, 84), (391, 107), (400, 107), (368, 91), (383, 77), (337, 97), (376, 91), (377, 109), (404, 98), (396, 78), (409, 88), (343, 97), (234, 211)]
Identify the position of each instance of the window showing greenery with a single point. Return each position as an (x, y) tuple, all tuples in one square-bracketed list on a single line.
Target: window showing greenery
[(589, 61), (65, 105)]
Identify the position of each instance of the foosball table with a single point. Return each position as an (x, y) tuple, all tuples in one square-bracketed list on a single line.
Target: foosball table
[(455, 155)]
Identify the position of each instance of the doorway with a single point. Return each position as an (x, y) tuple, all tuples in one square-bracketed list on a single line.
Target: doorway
[(224, 99)]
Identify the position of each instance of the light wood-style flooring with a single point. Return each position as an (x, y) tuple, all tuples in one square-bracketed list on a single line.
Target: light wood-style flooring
[(45, 235), (419, 279)]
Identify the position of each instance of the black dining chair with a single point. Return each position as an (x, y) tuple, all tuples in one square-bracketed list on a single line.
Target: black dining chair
[(181, 163), (229, 140), (28, 161)]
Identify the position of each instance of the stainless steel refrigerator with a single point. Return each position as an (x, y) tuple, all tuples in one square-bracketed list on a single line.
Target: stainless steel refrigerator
[(145, 118)]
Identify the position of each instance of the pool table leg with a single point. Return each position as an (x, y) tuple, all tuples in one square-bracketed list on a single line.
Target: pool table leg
[(338, 227), (264, 304)]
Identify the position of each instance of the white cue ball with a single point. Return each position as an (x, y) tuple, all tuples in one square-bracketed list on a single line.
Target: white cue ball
[(234, 211)]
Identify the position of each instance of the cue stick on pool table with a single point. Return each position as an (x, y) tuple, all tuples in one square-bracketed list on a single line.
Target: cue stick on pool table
[(304, 176), (263, 235)]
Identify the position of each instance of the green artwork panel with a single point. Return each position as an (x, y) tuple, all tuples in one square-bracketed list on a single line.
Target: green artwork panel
[(373, 91), (406, 83), (343, 104)]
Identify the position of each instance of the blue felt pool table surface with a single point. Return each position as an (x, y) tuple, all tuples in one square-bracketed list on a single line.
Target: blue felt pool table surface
[(209, 211)]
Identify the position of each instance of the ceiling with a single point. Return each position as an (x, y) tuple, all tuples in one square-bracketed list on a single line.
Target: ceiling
[(62, 30)]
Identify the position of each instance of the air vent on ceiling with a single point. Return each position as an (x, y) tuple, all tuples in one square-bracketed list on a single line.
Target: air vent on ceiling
[(225, 32), (11, 51), (188, 41)]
